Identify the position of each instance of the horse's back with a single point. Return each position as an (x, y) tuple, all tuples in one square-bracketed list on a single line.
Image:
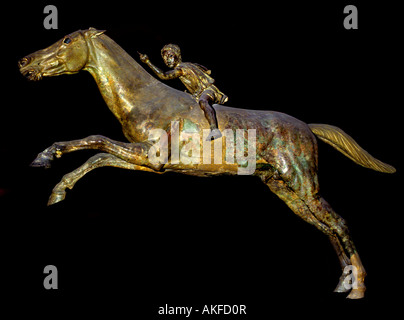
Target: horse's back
[(284, 142)]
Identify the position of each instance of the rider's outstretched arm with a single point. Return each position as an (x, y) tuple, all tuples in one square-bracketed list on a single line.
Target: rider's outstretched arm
[(171, 74)]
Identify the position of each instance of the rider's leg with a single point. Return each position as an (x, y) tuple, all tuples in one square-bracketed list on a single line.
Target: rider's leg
[(205, 101)]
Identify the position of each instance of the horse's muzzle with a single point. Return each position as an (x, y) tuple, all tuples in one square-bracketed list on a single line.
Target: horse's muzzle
[(24, 62), (32, 75), (28, 71)]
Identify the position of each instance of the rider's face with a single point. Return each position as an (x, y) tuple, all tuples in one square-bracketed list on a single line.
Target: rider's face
[(170, 59)]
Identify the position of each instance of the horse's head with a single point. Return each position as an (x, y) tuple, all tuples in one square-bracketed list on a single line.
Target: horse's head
[(66, 56)]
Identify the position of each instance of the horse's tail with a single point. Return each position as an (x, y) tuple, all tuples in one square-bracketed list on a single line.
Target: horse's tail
[(347, 146)]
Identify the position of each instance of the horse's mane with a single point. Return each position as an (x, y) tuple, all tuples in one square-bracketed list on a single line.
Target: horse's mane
[(124, 60), (133, 75)]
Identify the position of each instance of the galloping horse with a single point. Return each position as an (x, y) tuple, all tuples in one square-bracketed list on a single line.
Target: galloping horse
[(285, 148)]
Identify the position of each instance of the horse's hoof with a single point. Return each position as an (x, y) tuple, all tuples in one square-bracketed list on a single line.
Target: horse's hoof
[(42, 161), (356, 294), (341, 288), (56, 197)]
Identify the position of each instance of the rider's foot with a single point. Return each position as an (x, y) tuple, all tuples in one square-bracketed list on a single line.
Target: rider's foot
[(214, 134)]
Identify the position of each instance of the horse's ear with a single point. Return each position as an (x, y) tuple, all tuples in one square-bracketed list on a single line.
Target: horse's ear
[(93, 33)]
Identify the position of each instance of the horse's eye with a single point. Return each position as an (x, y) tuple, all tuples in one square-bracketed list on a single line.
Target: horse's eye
[(67, 40)]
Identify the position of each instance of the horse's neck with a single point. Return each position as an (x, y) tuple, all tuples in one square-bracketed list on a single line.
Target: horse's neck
[(119, 77)]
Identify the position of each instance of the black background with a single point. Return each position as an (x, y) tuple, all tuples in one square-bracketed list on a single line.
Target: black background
[(127, 242)]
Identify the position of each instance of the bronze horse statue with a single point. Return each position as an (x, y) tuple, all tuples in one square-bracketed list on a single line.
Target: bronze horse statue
[(285, 147)]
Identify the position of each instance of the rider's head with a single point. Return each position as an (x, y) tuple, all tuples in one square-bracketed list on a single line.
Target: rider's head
[(171, 54)]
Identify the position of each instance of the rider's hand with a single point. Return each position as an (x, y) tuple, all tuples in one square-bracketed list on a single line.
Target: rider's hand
[(143, 57)]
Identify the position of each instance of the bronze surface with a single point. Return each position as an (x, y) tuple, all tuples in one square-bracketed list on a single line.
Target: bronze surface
[(286, 148)]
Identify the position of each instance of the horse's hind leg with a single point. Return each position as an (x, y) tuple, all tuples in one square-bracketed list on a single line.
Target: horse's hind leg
[(324, 213), (299, 207), (296, 204), (320, 214), (97, 161)]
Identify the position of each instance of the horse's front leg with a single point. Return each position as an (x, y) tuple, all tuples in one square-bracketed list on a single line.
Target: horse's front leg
[(97, 161), (135, 153)]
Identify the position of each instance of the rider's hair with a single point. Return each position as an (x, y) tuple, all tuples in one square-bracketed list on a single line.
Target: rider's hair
[(173, 48)]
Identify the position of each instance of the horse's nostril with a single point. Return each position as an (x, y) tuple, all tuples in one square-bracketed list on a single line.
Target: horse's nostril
[(23, 62)]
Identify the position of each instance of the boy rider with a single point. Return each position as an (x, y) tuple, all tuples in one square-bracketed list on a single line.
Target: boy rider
[(196, 79)]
